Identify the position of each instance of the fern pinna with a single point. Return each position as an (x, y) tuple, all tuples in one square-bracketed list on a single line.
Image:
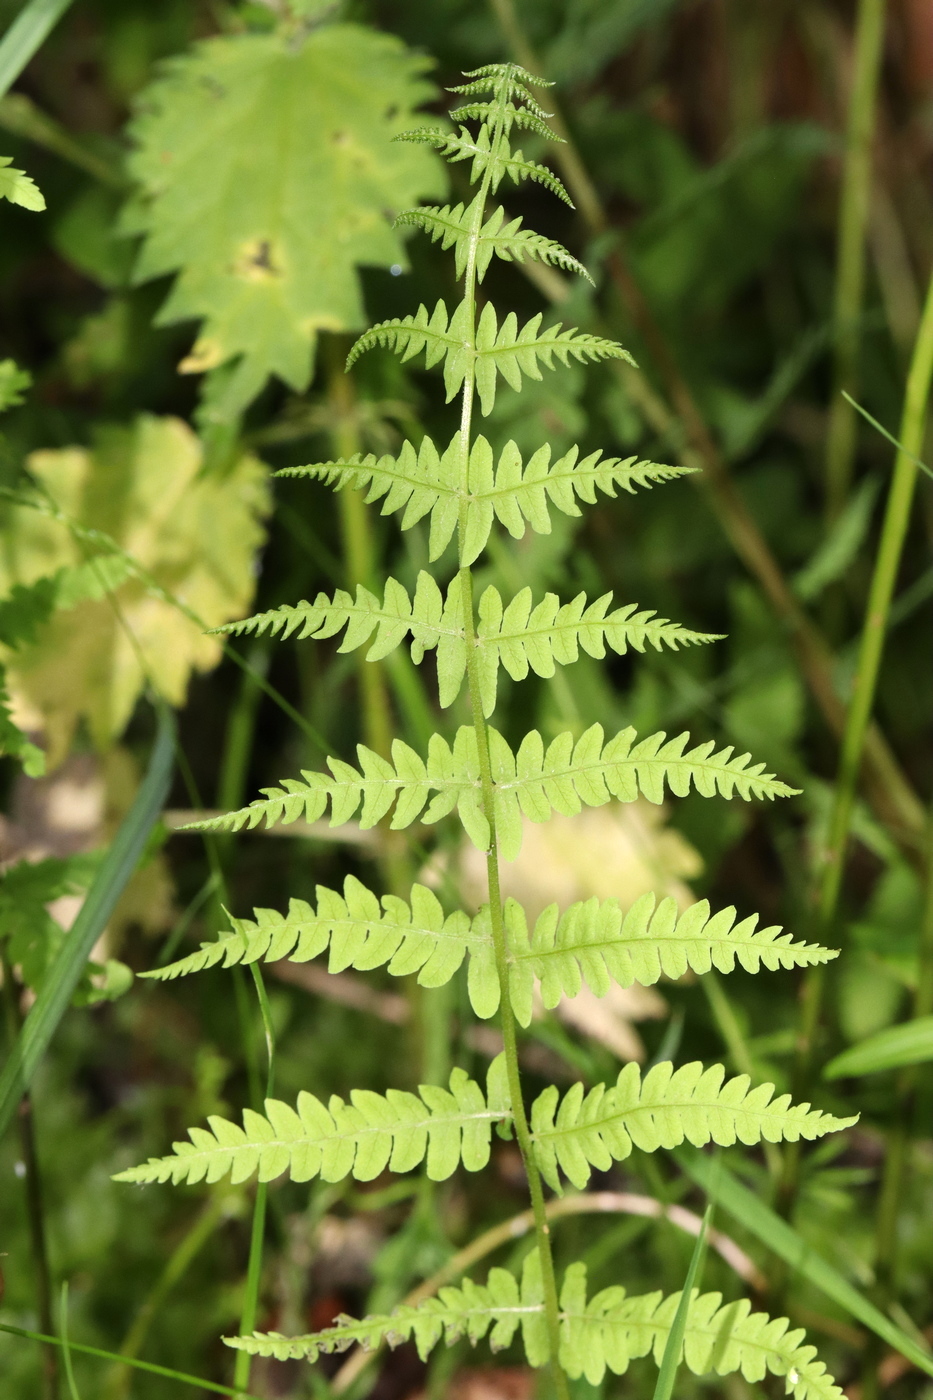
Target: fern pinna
[(465, 491)]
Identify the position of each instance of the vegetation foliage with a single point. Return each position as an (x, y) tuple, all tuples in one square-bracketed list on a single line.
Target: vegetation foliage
[(489, 944)]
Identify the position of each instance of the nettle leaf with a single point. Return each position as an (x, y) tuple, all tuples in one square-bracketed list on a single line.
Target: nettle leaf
[(607, 1332), (362, 1138), (33, 937), (266, 168), (502, 350), (362, 932), (510, 491), (195, 535), (564, 777), (453, 226), (595, 943), (520, 637), (17, 187), (664, 1109)]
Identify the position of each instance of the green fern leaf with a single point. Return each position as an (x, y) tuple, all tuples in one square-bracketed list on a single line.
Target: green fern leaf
[(453, 226), (361, 1138), (596, 944), (597, 1128), (361, 933), (523, 638), (497, 156), (564, 777), (511, 491), (18, 188), (606, 1333), (519, 637), (261, 159), (505, 350)]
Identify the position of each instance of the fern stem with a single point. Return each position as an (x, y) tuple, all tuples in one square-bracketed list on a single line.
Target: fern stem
[(884, 578), (497, 922), (850, 249), (506, 1014)]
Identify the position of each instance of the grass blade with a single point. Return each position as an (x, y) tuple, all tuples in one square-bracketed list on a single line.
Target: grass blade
[(907, 1044), (673, 1347), (782, 1239), (25, 36), (181, 1376), (117, 867)]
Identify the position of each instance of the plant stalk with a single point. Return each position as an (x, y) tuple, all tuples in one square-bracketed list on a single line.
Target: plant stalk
[(851, 250), (884, 578), (497, 923)]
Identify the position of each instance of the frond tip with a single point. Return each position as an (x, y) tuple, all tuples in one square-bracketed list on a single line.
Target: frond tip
[(606, 1333)]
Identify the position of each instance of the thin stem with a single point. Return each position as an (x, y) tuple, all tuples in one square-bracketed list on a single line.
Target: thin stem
[(884, 578), (35, 1211), (66, 1349), (497, 922), (850, 249), (48, 1339), (177, 1265), (731, 1032)]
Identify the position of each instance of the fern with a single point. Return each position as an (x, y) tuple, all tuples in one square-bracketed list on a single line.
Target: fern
[(518, 636), (361, 1138), (18, 188), (428, 481), (589, 943), (606, 1333), (564, 777), (452, 226), (498, 350), (593, 942), (493, 788), (666, 1108)]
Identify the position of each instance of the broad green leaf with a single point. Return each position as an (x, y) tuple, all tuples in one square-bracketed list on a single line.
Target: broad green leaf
[(268, 175), (907, 1044), (195, 534), (13, 384)]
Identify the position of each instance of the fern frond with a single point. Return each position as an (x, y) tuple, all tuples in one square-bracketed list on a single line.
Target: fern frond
[(662, 1110), (605, 1333), (510, 490), (483, 152), (502, 350), (564, 777), (594, 943), (499, 1307), (361, 1138), (452, 225), (361, 933), (520, 637)]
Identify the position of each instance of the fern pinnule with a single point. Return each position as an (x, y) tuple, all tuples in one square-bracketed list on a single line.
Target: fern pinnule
[(669, 1106), (443, 1128), (593, 942)]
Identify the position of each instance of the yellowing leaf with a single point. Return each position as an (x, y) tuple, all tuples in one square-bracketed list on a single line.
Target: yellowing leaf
[(268, 174), (196, 536)]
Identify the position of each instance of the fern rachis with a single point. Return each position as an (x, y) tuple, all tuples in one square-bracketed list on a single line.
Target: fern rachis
[(467, 492)]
